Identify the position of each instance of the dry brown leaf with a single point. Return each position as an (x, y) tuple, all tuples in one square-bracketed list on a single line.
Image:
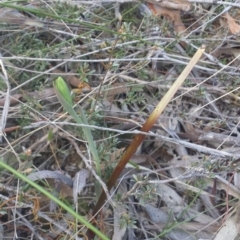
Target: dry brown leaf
[(79, 183), (172, 15), (16, 98), (13, 100), (173, 4), (71, 79), (234, 28), (230, 229), (229, 51), (190, 133), (44, 94), (81, 87), (115, 155), (116, 88)]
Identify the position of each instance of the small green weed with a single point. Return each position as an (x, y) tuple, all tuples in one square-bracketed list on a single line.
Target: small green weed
[(127, 221), (84, 72)]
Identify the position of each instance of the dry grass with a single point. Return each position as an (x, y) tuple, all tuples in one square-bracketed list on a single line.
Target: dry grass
[(183, 182)]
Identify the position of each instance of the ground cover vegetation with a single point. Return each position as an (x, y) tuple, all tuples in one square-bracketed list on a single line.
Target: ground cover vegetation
[(78, 82)]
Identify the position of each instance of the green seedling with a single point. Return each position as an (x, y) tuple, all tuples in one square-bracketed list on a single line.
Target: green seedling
[(64, 97)]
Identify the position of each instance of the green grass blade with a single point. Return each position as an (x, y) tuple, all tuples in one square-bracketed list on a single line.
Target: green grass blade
[(53, 198), (81, 120)]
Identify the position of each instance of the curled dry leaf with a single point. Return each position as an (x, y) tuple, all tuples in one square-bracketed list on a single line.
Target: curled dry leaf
[(50, 174), (234, 28), (71, 79), (173, 4), (168, 195), (79, 183), (230, 229), (111, 109), (118, 15), (172, 15), (116, 88), (235, 51), (157, 215)]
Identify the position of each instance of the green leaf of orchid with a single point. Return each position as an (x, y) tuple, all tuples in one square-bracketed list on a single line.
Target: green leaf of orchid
[(63, 89)]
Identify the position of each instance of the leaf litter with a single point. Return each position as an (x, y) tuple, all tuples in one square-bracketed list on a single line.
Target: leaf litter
[(183, 181)]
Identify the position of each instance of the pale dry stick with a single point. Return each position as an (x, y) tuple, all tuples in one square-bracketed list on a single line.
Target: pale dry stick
[(220, 138), (166, 57), (64, 61), (158, 172), (156, 1), (15, 209), (200, 148), (88, 60), (45, 25), (46, 123), (7, 100), (9, 65), (75, 59), (194, 146), (86, 162), (215, 2), (65, 33)]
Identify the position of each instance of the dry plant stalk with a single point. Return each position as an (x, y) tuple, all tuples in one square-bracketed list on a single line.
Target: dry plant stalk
[(146, 128)]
